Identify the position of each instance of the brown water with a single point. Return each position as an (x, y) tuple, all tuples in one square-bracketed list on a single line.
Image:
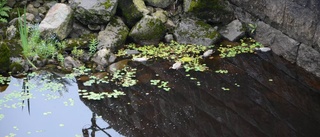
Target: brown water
[(261, 95)]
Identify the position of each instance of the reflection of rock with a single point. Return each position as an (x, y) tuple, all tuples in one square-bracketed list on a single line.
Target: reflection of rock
[(207, 110)]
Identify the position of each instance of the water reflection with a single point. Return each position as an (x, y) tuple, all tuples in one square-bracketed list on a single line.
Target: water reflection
[(261, 95), (267, 97), (54, 108)]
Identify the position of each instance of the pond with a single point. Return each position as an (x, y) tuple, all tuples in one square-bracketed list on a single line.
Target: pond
[(249, 95)]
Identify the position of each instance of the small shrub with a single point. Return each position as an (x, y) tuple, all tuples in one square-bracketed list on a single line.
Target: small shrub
[(4, 11)]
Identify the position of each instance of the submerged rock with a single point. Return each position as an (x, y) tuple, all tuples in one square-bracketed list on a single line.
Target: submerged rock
[(94, 11), (195, 32), (115, 34), (149, 30), (58, 21)]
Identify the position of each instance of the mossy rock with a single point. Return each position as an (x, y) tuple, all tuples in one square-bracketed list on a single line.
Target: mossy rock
[(4, 58), (16, 68), (190, 31), (132, 10), (149, 30)]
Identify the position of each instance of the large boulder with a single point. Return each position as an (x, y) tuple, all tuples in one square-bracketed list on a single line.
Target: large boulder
[(113, 35), (58, 21), (190, 31), (94, 11), (132, 10), (149, 30), (160, 3)]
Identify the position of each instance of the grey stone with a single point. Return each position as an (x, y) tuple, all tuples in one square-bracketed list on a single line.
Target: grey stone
[(114, 35), (58, 20), (132, 10), (190, 31), (11, 32), (168, 38), (100, 58), (78, 30), (309, 59), (94, 11), (149, 30), (160, 3), (280, 43), (70, 63), (233, 31)]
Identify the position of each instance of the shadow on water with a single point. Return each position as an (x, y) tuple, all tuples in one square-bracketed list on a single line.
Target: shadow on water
[(261, 95)]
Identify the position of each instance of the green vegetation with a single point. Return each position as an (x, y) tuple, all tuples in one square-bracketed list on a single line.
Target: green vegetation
[(77, 53), (93, 46), (4, 11), (160, 84), (247, 45), (189, 55)]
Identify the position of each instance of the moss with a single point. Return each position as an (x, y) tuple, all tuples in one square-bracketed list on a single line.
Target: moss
[(107, 4), (4, 57), (16, 68)]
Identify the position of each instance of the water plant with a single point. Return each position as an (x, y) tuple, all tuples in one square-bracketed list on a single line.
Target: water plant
[(160, 84), (77, 52), (4, 11), (247, 45)]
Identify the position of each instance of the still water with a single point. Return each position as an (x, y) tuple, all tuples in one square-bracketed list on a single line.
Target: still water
[(250, 95)]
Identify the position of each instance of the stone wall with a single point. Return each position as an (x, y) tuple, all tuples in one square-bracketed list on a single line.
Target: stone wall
[(290, 27)]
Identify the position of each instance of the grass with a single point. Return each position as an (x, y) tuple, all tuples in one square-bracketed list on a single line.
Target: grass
[(23, 31)]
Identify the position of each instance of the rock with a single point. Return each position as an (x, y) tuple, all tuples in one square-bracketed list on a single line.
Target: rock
[(168, 38), (5, 58), (94, 11), (160, 3), (149, 30), (78, 30), (70, 63), (191, 31), (114, 35), (11, 3), (160, 14), (31, 9), (100, 58), (233, 31), (296, 18), (309, 59), (58, 20), (29, 17), (280, 43), (132, 10), (11, 32), (215, 11)]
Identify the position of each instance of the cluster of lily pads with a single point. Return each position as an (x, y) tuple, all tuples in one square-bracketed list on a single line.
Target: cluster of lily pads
[(4, 80), (247, 45), (189, 55)]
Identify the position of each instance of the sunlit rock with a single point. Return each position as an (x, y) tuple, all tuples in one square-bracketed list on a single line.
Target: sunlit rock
[(58, 21), (114, 35)]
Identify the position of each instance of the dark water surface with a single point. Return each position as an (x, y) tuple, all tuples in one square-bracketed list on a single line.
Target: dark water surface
[(256, 98)]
